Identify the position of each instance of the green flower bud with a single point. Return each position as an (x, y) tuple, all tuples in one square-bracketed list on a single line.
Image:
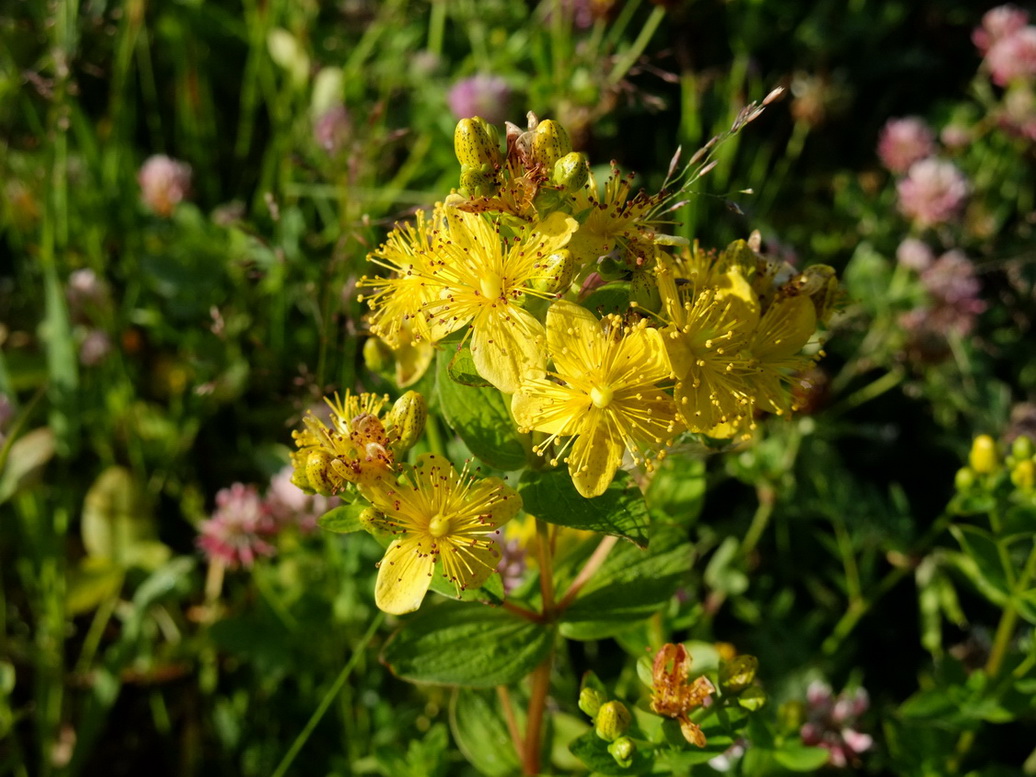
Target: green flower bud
[(1024, 475), (549, 143), (571, 171), (590, 701), (555, 272), (320, 473), (406, 421), (476, 143), (378, 356), (1022, 448), (644, 291), (965, 479), (622, 750), (737, 674), (476, 182), (612, 720), (983, 457), (752, 698), (369, 519)]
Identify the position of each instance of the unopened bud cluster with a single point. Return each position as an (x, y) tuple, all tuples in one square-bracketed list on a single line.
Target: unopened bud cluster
[(988, 468)]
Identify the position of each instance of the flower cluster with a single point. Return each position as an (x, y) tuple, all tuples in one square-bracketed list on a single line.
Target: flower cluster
[(519, 259), (832, 723), (243, 526), (1007, 43)]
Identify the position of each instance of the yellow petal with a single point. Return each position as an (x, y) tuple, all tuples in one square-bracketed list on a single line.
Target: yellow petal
[(547, 407), (403, 577), (595, 457), (574, 338), (506, 343), (785, 329)]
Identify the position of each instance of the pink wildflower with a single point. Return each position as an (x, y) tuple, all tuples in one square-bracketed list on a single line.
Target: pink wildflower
[(235, 533), (481, 95), (87, 295), (914, 254), (95, 348), (903, 142), (933, 192), (831, 723), (998, 23), (1013, 58), (287, 504), (164, 183), (332, 128)]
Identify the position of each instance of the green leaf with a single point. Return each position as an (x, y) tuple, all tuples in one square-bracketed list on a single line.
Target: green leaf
[(117, 522), (988, 574), (25, 459), (620, 510), (461, 369), (344, 519), (678, 488), (481, 732), (633, 584), (721, 574), (95, 580), (491, 592), (480, 416), (466, 644), (610, 298), (801, 758), (593, 751), (716, 744)]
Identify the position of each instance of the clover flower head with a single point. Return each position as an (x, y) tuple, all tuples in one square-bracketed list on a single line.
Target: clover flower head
[(933, 192), (482, 95), (289, 505), (95, 348), (1013, 57), (674, 694), (904, 141), (236, 533), (998, 23), (831, 723), (914, 254), (440, 520), (87, 294), (164, 183)]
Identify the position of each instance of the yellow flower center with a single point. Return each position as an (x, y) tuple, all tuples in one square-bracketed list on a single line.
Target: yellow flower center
[(601, 396), (438, 526), (490, 286)]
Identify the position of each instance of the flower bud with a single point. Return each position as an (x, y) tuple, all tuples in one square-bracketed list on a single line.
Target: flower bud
[(644, 291), (555, 272), (571, 171), (590, 701), (1022, 448), (964, 480), (406, 421), (622, 750), (476, 182), (612, 720), (752, 698), (983, 458), (476, 144), (320, 474), (549, 144), (1024, 475), (738, 673), (377, 356)]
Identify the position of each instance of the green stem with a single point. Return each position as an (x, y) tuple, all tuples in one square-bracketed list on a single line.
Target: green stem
[(329, 697), (630, 57)]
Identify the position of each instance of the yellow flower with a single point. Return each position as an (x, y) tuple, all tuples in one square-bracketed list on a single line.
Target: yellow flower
[(605, 396), (774, 354), (398, 301), (483, 279), (439, 518), (672, 696), (711, 319), (353, 448), (613, 220)]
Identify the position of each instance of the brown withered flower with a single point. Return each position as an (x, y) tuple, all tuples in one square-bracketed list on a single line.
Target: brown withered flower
[(673, 695)]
